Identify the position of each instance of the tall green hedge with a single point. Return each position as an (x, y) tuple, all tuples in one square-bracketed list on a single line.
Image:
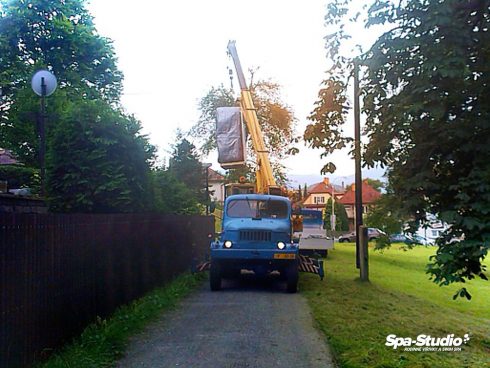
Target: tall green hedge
[(20, 177)]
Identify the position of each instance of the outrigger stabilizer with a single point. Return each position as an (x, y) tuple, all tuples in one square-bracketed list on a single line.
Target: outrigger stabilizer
[(306, 264)]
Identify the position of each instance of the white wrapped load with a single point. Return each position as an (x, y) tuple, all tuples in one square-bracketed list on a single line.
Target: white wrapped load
[(230, 137)]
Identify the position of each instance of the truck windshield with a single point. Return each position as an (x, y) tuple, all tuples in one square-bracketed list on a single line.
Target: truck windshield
[(257, 208)]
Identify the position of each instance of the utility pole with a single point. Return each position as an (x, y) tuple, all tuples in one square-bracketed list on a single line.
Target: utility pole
[(357, 156)]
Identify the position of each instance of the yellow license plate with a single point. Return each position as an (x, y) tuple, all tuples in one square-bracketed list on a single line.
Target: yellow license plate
[(284, 256)]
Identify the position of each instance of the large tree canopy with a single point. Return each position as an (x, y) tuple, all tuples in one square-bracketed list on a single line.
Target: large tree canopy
[(426, 97), (276, 120), (58, 35), (99, 162)]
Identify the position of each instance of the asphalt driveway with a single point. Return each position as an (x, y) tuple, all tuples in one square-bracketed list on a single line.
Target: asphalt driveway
[(250, 323)]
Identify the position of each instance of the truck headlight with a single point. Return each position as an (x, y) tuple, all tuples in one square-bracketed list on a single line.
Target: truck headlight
[(228, 244), (281, 245)]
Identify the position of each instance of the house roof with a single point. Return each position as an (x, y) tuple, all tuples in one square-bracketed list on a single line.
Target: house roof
[(215, 176), (7, 157), (369, 194), (324, 187)]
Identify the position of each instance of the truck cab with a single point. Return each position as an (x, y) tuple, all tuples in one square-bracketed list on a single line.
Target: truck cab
[(256, 236)]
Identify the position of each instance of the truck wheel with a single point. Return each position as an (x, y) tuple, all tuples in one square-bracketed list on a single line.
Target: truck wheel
[(292, 275), (215, 276)]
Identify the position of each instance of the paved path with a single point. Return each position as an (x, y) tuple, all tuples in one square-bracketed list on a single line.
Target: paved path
[(246, 325)]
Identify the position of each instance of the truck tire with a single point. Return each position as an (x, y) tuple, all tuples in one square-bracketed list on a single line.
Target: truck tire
[(215, 276), (292, 276)]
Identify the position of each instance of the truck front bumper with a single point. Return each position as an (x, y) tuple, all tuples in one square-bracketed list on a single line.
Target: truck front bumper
[(254, 254)]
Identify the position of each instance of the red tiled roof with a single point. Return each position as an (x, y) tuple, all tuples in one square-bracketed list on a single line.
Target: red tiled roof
[(321, 187), (215, 176), (369, 195)]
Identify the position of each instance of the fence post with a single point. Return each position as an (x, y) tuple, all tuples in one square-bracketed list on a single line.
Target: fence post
[(363, 253)]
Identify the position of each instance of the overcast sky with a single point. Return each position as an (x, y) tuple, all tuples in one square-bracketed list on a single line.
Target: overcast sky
[(173, 52)]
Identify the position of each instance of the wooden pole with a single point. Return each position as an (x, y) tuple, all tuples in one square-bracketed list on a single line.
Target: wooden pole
[(357, 156), (363, 253)]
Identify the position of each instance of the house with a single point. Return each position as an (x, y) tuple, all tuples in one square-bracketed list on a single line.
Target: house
[(320, 193), (369, 196), (7, 157), (432, 229), (216, 183)]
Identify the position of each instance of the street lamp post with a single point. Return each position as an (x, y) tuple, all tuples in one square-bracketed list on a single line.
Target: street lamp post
[(43, 84)]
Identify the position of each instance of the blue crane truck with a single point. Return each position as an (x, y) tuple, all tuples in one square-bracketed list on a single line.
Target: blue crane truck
[(257, 235)]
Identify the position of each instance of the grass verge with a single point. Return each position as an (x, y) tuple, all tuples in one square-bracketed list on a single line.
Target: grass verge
[(103, 342), (356, 317)]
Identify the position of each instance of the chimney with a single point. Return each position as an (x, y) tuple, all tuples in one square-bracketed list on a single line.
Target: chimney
[(353, 187), (326, 181)]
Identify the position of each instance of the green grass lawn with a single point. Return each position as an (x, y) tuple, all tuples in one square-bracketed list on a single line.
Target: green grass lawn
[(102, 343), (356, 317)]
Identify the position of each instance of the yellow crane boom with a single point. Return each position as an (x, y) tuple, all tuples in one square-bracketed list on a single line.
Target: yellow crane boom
[(265, 182)]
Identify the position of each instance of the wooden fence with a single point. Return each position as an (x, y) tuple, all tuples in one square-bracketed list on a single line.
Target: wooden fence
[(59, 272)]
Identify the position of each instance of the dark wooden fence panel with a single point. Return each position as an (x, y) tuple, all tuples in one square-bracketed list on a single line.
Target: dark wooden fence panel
[(59, 272)]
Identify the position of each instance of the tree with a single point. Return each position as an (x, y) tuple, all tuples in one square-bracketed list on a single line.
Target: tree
[(185, 166), (276, 120), (341, 220), (171, 195), (99, 162), (58, 35), (375, 184), (426, 100), (204, 131), (387, 214)]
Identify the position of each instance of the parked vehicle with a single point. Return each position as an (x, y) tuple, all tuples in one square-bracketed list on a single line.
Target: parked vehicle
[(373, 234), (409, 239), (349, 237), (258, 224), (256, 237), (421, 240), (401, 238)]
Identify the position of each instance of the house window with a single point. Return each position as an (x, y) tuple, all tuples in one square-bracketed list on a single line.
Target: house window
[(435, 233), (319, 200)]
